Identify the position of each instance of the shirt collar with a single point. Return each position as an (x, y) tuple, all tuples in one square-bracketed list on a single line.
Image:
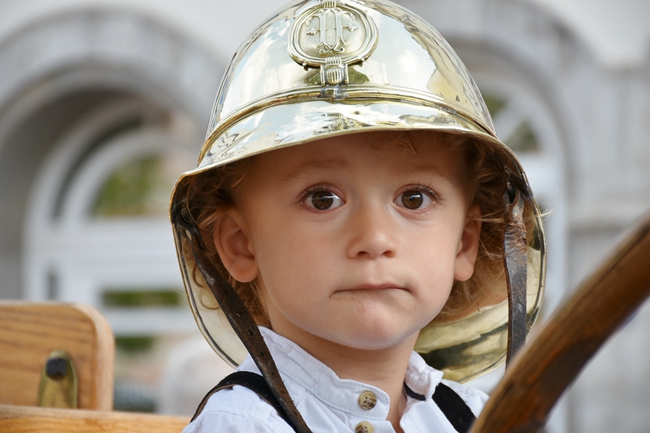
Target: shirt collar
[(420, 377), (302, 373)]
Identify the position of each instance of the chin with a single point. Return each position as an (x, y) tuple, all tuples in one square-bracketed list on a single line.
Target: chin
[(378, 339)]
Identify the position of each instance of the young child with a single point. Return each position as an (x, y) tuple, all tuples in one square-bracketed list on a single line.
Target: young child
[(352, 201)]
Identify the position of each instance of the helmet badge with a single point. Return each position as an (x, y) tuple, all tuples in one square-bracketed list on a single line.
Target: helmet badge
[(332, 35)]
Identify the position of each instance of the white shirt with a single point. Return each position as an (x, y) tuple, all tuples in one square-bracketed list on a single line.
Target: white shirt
[(327, 403)]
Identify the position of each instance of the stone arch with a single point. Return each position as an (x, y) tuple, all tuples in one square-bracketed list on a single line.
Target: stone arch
[(55, 70), (537, 47)]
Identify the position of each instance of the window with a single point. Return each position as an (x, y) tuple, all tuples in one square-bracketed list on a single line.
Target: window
[(99, 232)]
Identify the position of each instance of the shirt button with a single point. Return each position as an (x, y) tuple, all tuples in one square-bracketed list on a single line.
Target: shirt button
[(367, 400), (364, 427)]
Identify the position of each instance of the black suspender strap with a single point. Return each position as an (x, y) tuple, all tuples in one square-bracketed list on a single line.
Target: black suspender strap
[(454, 407), (252, 381), (451, 404)]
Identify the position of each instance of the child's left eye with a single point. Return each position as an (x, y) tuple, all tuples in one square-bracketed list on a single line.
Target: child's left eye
[(413, 200)]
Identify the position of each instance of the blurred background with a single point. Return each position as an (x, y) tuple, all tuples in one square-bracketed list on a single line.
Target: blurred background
[(103, 103)]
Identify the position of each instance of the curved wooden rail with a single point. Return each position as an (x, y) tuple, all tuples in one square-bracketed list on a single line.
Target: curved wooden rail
[(558, 351)]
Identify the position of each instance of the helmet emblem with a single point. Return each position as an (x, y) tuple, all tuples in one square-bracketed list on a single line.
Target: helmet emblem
[(331, 36)]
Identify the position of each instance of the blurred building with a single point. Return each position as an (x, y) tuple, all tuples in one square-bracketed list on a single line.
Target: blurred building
[(104, 102)]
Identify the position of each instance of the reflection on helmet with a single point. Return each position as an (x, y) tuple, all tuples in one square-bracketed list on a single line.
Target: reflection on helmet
[(324, 68)]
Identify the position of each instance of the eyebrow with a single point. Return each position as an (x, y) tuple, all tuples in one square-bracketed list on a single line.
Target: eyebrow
[(315, 164), (422, 168)]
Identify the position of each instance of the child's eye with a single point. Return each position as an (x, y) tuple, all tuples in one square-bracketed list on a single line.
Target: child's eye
[(323, 200), (413, 200)]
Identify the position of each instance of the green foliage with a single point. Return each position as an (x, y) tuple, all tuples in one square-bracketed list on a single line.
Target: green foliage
[(134, 344), (130, 190), (523, 139), (494, 104), (138, 298)]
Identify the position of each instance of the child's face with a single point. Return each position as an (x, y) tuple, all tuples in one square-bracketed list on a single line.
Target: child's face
[(352, 244)]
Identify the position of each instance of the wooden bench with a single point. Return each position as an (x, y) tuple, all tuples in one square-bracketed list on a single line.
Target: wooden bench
[(29, 332), (24, 419)]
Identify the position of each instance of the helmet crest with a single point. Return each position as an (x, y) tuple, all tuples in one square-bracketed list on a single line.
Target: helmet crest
[(332, 35)]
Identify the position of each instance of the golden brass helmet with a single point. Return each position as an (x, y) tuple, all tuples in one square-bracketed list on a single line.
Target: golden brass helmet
[(323, 68)]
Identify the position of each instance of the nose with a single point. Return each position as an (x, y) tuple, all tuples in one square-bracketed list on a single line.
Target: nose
[(373, 233)]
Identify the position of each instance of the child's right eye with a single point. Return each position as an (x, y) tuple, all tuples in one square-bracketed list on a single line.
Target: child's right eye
[(323, 200)]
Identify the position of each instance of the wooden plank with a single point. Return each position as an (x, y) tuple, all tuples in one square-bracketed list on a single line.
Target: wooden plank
[(22, 419), (30, 331), (559, 350)]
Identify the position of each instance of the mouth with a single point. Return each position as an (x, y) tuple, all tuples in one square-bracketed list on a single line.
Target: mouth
[(374, 287)]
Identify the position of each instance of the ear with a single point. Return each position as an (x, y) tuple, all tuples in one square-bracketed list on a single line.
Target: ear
[(468, 245), (234, 247)]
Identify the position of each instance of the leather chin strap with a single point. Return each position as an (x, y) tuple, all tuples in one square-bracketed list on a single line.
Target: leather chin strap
[(516, 264), (246, 329)]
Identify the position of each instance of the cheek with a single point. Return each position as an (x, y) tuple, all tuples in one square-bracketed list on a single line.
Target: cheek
[(441, 241), (433, 254), (287, 258)]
